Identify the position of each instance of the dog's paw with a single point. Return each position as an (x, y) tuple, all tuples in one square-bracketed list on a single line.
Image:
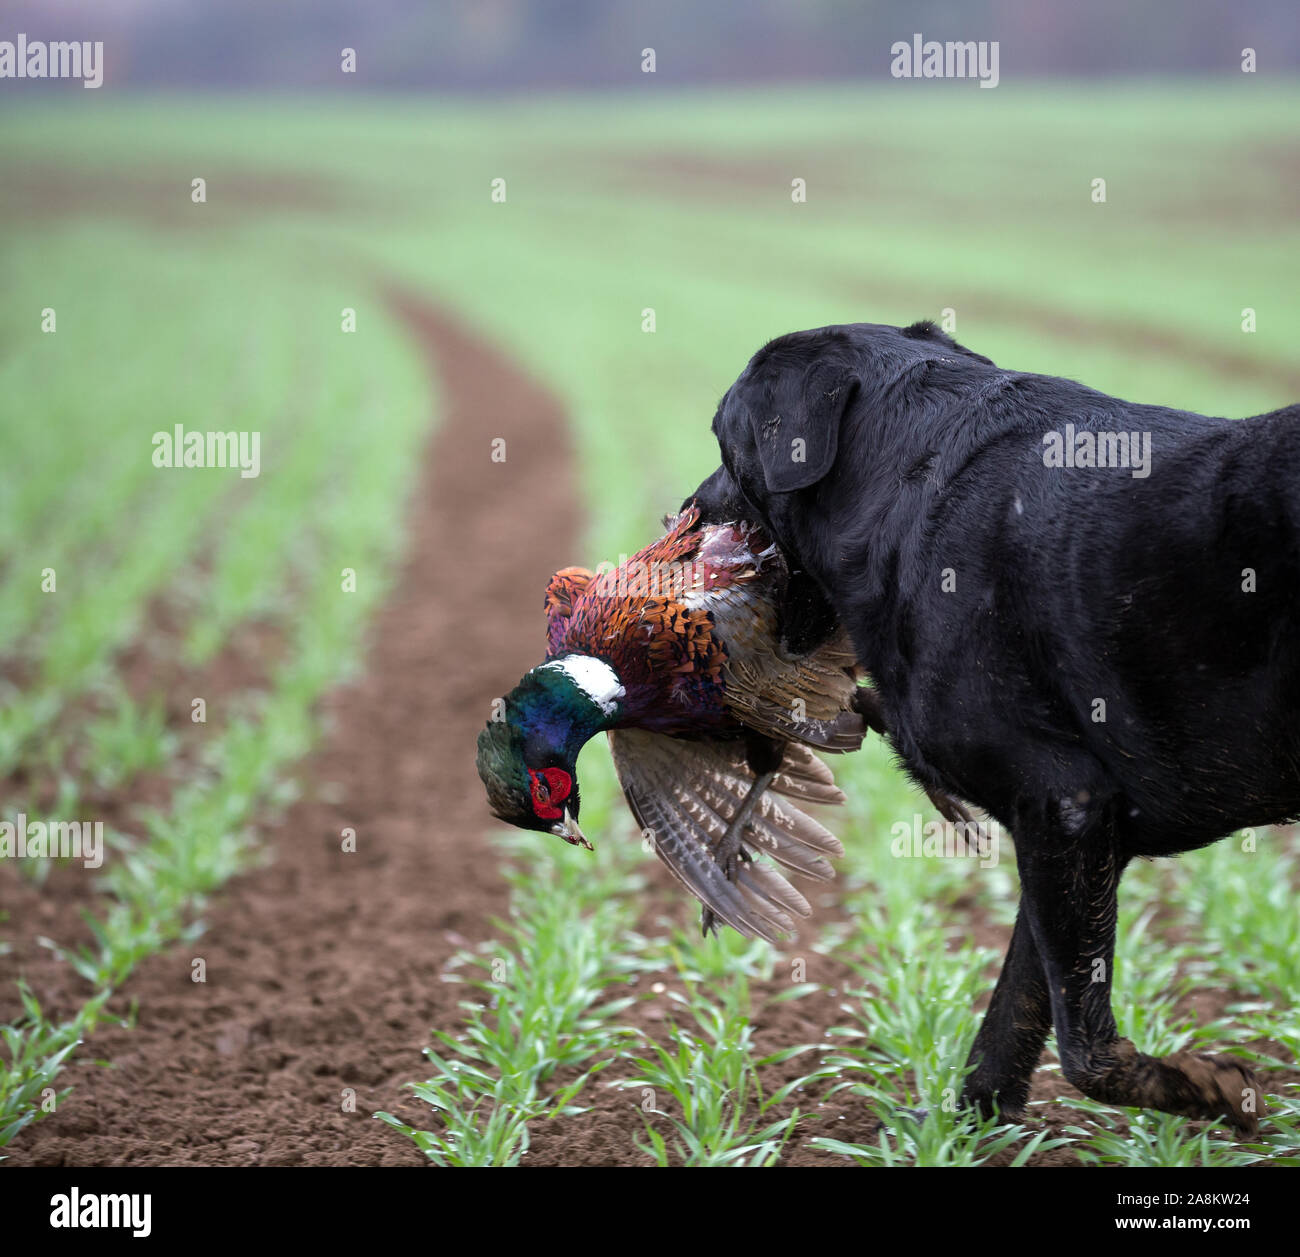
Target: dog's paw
[(1199, 1085), (1220, 1086)]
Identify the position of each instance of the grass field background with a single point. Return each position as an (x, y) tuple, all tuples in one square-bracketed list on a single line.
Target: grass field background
[(227, 315)]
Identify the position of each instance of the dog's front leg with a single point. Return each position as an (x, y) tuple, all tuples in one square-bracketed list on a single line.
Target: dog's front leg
[(1016, 1026), (1069, 874)]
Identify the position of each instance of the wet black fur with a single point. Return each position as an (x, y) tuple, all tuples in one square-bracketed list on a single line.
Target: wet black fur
[(1067, 588)]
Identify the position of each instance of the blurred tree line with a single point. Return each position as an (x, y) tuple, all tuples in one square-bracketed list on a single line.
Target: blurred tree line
[(505, 44)]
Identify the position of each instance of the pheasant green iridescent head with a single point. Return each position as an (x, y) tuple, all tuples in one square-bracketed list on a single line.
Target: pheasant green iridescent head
[(527, 759)]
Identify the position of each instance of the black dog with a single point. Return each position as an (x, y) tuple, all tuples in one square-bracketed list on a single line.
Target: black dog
[(1106, 658)]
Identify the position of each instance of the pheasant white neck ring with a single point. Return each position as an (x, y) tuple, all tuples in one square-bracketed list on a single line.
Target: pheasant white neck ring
[(594, 677)]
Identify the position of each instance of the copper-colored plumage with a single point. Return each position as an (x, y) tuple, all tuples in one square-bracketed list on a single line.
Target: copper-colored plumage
[(690, 625)]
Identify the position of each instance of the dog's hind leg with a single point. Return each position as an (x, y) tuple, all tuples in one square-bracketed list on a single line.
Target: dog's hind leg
[(1010, 1041), (1070, 868)]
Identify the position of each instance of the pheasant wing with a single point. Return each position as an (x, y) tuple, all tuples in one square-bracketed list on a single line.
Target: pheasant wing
[(802, 698), (683, 795)]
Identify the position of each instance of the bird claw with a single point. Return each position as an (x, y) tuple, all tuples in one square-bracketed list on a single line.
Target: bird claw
[(730, 856)]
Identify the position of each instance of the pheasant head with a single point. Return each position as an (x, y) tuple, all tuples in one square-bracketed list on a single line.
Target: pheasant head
[(527, 759)]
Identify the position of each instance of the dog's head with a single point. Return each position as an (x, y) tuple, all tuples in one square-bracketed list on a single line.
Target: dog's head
[(780, 426)]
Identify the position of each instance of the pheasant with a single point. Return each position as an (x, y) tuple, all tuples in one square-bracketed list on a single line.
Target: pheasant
[(676, 656)]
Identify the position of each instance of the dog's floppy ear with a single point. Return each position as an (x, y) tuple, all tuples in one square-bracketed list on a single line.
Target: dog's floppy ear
[(794, 418)]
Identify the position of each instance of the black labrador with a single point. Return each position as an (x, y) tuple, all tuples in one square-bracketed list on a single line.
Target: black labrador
[(1079, 613)]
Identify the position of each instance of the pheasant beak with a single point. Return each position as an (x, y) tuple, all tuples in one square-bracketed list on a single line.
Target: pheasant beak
[(569, 831)]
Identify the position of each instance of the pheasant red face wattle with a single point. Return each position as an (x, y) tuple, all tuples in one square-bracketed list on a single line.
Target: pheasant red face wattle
[(549, 787)]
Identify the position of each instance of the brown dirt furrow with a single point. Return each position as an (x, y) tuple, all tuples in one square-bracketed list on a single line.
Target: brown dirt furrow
[(324, 970), (160, 196)]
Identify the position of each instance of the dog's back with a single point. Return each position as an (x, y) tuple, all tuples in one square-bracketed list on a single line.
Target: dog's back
[(1147, 612), (1119, 583)]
